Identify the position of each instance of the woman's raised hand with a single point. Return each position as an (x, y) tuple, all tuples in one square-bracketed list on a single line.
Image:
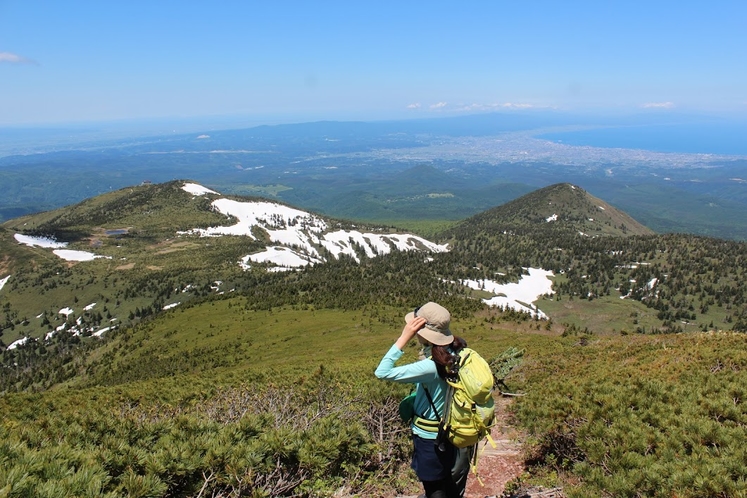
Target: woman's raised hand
[(409, 331)]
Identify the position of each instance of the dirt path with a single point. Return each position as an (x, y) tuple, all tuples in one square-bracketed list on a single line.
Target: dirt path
[(497, 466)]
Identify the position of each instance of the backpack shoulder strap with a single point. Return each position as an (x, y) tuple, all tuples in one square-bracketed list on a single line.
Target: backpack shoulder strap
[(430, 400), (447, 403)]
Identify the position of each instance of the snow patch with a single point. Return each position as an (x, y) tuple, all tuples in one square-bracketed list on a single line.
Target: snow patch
[(3, 281), (196, 189), (344, 242), (19, 342), (552, 218), (279, 256), (99, 333), (44, 242), (72, 255), (66, 311), (49, 243), (172, 305), (517, 296), (284, 224)]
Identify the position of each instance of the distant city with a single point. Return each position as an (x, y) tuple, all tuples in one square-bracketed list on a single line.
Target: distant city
[(522, 147)]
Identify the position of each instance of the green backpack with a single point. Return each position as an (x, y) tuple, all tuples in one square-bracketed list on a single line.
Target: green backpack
[(471, 413), (470, 408)]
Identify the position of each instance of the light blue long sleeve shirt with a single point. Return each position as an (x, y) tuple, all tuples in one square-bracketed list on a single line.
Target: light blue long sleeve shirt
[(422, 373)]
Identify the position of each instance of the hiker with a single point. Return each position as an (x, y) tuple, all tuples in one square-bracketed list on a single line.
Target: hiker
[(441, 467)]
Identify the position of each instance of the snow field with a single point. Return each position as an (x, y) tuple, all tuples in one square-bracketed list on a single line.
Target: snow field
[(518, 295), (304, 232), (48, 243)]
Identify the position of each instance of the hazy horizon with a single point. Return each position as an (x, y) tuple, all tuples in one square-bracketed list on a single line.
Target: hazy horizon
[(670, 133)]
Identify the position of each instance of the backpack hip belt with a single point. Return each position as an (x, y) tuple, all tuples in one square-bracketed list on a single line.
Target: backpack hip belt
[(426, 424)]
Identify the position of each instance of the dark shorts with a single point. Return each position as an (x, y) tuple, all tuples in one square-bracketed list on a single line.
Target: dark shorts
[(429, 463)]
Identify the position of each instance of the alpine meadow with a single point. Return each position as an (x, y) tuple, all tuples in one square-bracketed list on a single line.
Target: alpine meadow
[(167, 339)]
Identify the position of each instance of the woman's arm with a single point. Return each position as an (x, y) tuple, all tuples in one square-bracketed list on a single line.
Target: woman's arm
[(420, 371)]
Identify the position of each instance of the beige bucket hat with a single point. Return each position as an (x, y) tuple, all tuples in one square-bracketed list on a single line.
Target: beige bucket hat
[(438, 318)]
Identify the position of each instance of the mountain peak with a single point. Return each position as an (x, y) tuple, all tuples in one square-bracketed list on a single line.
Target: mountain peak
[(562, 206)]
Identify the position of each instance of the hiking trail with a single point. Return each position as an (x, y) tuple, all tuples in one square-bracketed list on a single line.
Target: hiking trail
[(502, 464)]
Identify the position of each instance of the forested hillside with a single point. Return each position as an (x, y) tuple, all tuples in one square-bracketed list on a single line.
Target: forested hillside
[(688, 282)]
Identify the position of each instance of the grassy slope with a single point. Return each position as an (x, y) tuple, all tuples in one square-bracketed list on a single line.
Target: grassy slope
[(190, 359), (642, 415), (602, 316), (164, 399), (224, 333)]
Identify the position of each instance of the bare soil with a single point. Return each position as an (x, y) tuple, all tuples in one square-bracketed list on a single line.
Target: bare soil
[(497, 466)]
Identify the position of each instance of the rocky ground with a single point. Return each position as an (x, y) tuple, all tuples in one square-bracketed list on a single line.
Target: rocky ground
[(500, 465)]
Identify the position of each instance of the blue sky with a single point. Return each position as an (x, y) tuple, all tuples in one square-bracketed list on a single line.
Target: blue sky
[(78, 61)]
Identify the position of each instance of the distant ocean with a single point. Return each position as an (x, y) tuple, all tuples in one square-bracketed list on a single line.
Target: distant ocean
[(730, 139)]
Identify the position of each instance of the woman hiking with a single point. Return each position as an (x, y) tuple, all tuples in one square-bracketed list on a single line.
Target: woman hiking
[(441, 467)]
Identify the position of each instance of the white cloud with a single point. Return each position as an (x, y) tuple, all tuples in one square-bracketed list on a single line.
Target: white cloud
[(440, 105), (499, 106), (416, 105), (14, 59), (658, 105), (517, 106), (505, 105)]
